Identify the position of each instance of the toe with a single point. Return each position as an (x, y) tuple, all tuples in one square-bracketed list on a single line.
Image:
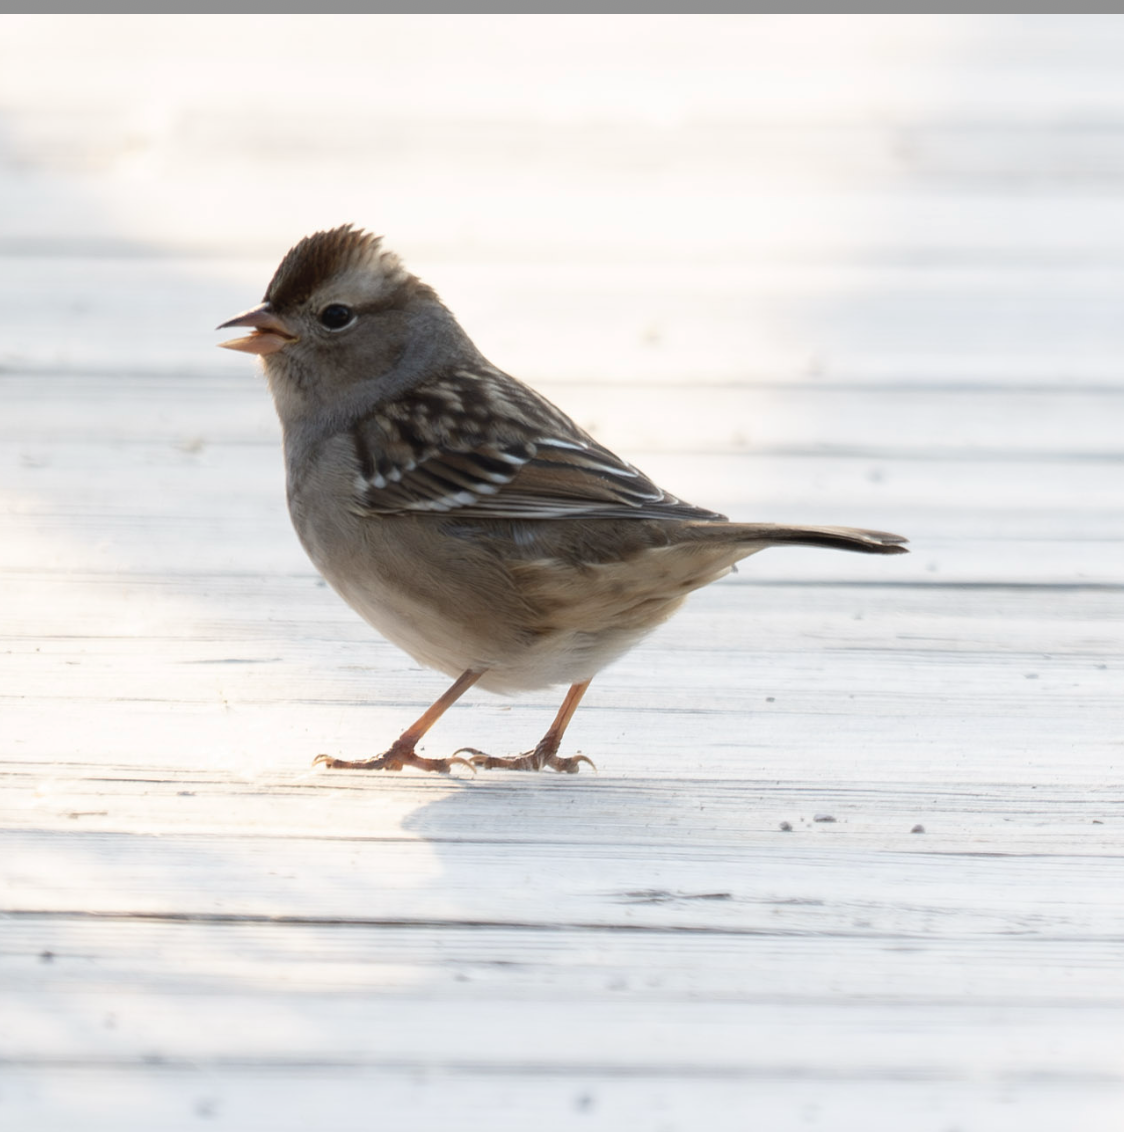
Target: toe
[(570, 765), (485, 761)]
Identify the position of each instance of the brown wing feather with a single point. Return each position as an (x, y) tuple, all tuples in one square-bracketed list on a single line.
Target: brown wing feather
[(512, 456)]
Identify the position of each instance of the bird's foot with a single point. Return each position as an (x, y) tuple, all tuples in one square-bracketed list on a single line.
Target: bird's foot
[(530, 760), (400, 755)]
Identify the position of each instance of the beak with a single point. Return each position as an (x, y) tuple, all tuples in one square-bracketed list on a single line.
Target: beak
[(270, 332)]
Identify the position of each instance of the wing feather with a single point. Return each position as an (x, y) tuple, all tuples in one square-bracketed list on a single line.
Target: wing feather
[(513, 455)]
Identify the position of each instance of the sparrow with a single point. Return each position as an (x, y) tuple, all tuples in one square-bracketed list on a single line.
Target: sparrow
[(460, 513)]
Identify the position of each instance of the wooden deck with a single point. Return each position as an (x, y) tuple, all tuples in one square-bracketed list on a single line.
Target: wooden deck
[(854, 856)]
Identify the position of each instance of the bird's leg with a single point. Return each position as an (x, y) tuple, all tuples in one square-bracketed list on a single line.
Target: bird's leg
[(546, 753), (402, 751)]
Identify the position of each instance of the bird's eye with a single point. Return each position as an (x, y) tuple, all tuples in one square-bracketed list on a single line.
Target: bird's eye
[(336, 316)]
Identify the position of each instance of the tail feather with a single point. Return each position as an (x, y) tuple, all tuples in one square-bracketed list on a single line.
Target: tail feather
[(836, 538)]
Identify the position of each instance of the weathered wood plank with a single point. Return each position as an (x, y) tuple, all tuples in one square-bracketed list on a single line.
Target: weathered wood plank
[(732, 799), (287, 1096), (65, 954), (822, 881), (676, 322), (579, 1037)]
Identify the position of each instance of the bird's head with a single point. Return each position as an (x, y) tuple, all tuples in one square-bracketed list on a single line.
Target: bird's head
[(339, 310)]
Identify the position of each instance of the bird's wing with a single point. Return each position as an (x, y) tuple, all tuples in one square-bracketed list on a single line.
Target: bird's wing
[(515, 457)]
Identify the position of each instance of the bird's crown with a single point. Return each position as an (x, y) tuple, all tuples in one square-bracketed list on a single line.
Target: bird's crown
[(313, 261)]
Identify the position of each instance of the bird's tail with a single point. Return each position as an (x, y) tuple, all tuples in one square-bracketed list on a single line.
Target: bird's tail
[(777, 534)]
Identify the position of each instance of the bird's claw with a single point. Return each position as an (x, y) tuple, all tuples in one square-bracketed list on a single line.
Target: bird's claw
[(394, 760), (530, 760)]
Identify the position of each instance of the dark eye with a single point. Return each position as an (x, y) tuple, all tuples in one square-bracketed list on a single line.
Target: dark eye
[(336, 316)]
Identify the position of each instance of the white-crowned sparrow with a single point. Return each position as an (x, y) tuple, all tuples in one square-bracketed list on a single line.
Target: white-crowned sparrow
[(466, 518)]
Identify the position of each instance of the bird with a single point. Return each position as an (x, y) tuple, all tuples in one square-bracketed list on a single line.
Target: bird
[(464, 516)]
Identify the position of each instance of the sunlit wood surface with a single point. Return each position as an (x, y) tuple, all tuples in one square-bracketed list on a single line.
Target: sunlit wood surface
[(853, 856)]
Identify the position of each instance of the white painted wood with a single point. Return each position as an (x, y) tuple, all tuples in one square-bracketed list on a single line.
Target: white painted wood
[(857, 270), (677, 320), (657, 964), (248, 1097)]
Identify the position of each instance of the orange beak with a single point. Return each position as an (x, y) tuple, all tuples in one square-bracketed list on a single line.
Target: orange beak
[(270, 332)]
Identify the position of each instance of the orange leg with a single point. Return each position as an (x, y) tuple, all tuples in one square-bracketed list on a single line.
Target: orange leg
[(546, 753), (402, 751)]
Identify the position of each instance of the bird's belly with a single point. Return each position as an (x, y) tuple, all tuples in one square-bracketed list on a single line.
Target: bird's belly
[(418, 627), (453, 605), (451, 613), (453, 645)]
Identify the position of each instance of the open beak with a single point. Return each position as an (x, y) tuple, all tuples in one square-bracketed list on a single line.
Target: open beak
[(270, 332)]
